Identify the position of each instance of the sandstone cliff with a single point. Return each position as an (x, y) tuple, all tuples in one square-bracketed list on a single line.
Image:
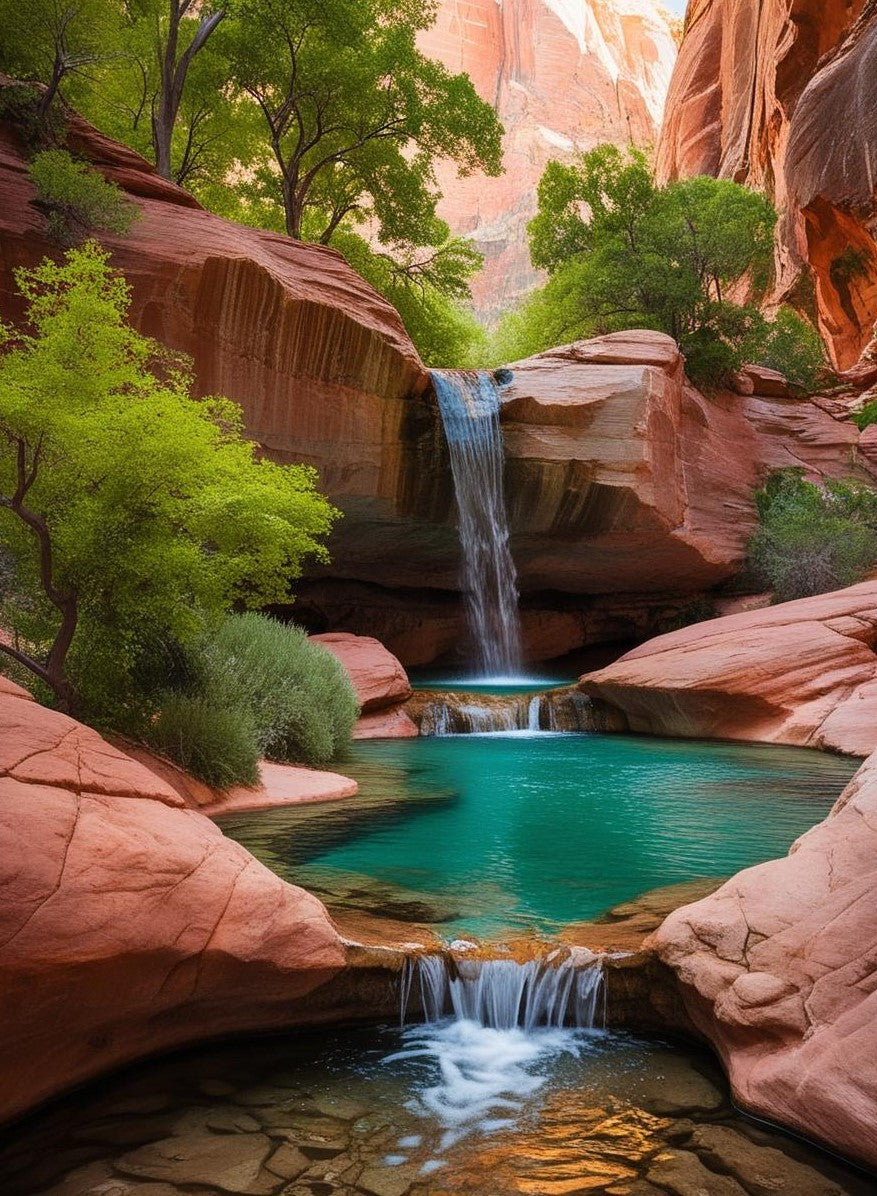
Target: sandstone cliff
[(562, 77), (778, 94)]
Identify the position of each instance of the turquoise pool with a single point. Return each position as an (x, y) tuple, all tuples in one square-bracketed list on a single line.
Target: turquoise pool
[(519, 833)]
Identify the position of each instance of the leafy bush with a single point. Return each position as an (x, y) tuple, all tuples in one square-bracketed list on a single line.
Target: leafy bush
[(867, 416), (299, 697), (794, 347), (216, 743), (812, 538), (78, 198)]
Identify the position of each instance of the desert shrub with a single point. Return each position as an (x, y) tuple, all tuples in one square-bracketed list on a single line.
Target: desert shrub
[(299, 697), (216, 743), (812, 538), (78, 199)]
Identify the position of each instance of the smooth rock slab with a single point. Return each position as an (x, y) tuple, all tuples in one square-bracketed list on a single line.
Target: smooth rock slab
[(232, 1162)]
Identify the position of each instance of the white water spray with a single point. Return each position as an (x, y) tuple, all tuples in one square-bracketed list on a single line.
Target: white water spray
[(469, 407), (493, 1030)]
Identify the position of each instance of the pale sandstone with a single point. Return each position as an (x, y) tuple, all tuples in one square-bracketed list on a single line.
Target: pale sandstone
[(802, 673), (562, 78)]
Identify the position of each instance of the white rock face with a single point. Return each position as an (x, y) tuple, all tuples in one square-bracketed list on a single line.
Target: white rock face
[(563, 75)]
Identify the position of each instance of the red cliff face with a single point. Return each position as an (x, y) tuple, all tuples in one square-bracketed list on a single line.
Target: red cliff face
[(779, 94), (562, 76)]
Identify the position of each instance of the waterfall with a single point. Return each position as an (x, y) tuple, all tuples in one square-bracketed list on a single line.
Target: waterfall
[(493, 1031), (503, 993), (469, 407), (463, 714)]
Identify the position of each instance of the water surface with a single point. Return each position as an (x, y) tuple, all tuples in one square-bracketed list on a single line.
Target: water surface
[(487, 835)]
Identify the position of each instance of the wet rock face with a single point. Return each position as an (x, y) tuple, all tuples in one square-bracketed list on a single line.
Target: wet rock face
[(128, 924), (562, 78), (774, 969), (758, 95), (802, 673)]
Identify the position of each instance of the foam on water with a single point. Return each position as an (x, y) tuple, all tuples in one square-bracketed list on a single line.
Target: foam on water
[(492, 1031)]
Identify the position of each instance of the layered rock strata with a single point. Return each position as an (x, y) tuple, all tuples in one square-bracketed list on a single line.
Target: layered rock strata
[(562, 78), (801, 673), (778, 94), (777, 970)]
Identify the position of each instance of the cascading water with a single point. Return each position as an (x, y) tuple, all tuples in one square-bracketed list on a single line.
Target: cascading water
[(493, 1031), (469, 407)]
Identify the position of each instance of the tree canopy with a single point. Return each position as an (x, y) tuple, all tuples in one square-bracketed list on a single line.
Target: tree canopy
[(130, 513), (622, 252)]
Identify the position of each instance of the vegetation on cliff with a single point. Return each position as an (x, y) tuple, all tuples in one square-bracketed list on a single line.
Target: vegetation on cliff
[(813, 537), (323, 121), (622, 252), (132, 515)]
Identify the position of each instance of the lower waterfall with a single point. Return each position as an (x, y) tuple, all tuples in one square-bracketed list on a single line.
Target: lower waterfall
[(494, 1029)]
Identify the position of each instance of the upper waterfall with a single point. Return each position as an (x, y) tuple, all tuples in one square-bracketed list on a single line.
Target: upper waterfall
[(469, 407)]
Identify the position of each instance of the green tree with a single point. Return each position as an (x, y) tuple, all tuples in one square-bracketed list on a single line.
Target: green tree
[(130, 513), (54, 41), (622, 252), (353, 115)]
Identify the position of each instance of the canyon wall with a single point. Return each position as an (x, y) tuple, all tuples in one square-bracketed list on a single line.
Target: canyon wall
[(779, 95), (562, 77)]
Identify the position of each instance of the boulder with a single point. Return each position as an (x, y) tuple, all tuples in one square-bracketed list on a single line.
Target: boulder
[(376, 674), (776, 969), (758, 95), (128, 923), (801, 673)]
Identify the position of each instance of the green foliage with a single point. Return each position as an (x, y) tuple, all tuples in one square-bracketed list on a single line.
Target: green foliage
[(866, 416), (622, 252), (794, 347), (158, 513), (428, 286), (53, 43), (216, 743), (354, 115), (297, 694), (812, 538), (78, 198)]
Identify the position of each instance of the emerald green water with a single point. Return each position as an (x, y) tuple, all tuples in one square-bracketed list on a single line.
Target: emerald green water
[(491, 834)]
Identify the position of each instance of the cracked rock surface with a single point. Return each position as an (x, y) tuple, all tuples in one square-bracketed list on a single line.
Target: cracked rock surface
[(128, 923)]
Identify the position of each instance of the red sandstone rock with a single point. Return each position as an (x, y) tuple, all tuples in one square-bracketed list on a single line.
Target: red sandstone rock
[(376, 674), (563, 78), (279, 785), (621, 478), (776, 969), (128, 925), (779, 96), (386, 724), (318, 360), (802, 673)]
